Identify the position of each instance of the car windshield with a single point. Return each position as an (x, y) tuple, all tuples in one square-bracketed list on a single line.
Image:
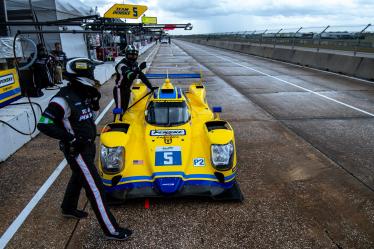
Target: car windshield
[(167, 113)]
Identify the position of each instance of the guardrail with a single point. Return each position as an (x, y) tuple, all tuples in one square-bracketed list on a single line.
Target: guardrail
[(358, 38)]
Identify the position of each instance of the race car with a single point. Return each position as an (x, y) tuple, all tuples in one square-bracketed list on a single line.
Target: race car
[(169, 143), (165, 40)]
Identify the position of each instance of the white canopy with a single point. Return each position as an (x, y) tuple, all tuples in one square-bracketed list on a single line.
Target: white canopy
[(63, 8), (52, 10)]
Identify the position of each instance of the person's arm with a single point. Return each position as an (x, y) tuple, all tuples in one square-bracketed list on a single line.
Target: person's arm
[(145, 80), (51, 121), (127, 74)]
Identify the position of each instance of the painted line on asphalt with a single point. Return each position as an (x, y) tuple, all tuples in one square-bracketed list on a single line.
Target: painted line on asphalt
[(292, 84), (17, 223)]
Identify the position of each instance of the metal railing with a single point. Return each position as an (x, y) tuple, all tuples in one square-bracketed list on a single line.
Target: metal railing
[(358, 38)]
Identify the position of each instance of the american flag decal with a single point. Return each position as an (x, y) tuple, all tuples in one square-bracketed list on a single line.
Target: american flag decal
[(137, 162)]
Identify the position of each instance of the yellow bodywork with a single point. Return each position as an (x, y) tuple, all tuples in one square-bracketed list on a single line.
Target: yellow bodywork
[(142, 140)]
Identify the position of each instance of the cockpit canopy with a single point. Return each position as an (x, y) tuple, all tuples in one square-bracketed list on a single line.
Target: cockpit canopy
[(170, 113)]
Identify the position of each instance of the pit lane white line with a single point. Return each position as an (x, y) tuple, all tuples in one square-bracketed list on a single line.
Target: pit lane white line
[(292, 84), (17, 223)]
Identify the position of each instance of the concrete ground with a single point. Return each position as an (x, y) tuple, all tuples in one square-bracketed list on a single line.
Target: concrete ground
[(305, 166)]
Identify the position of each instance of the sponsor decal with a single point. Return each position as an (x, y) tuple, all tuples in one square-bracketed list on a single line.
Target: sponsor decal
[(6, 80), (86, 114), (199, 162), (159, 133), (168, 139), (81, 65), (168, 156)]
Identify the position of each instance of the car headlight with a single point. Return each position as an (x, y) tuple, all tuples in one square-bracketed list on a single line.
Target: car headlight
[(112, 158), (222, 156)]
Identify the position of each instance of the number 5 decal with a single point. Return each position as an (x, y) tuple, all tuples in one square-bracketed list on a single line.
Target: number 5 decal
[(168, 155), (135, 11), (168, 158)]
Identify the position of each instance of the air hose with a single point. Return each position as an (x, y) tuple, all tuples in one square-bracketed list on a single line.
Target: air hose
[(28, 98)]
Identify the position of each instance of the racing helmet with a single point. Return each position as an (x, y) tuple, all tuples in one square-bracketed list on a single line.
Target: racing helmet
[(80, 72), (80, 67), (131, 53)]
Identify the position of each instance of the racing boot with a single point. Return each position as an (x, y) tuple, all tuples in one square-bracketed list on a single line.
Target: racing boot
[(123, 234), (76, 214)]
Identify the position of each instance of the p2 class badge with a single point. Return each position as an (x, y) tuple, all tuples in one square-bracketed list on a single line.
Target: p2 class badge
[(199, 162)]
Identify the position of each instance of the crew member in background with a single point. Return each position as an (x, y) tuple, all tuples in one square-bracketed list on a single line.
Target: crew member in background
[(69, 118), (41, 68), (126, 72), (60, 61)]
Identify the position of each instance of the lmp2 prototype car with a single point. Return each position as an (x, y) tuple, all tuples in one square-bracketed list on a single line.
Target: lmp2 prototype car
[(169, 144)]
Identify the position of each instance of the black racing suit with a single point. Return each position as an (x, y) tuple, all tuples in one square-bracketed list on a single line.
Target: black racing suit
[(41, 70), (126, 72), (68, 117)]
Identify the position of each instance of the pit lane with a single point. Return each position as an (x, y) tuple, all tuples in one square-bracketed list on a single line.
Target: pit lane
[(305, 167)]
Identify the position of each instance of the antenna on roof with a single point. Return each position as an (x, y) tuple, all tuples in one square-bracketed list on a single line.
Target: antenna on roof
[(201, 75)]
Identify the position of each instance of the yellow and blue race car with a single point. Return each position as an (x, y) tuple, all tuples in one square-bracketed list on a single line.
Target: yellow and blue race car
[(169, 144)]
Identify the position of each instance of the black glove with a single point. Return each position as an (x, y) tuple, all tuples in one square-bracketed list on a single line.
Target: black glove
[(133, 76), (73, 147), (95, 102), (137, 70)]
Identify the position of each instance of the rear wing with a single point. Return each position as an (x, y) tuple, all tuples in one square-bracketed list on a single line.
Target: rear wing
[(173, 76)]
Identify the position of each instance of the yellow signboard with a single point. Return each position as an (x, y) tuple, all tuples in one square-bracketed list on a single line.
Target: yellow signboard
[(149, 20), (9, 87), (127, 11)]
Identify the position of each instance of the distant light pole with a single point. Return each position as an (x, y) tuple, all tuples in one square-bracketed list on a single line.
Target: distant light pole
[(275, 36), (319, 37), (294, 37), (358, 38)]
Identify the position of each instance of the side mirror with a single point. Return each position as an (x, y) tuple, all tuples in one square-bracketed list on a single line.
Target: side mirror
[(143, 65), (217, 109)]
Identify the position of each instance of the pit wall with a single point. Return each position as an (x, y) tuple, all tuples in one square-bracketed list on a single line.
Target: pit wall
[(361, 67)]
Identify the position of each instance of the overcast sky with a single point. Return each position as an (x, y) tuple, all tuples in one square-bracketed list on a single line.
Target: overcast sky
[(208, 16)]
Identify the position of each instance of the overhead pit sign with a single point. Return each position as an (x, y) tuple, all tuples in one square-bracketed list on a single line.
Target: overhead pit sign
[(128, 11), (149, 20)]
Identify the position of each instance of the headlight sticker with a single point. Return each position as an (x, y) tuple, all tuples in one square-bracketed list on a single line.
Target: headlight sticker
[(138, 162), (199, 162)]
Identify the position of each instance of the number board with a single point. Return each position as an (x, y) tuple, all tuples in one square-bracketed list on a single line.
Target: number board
[(128, 11), (168, 156)]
